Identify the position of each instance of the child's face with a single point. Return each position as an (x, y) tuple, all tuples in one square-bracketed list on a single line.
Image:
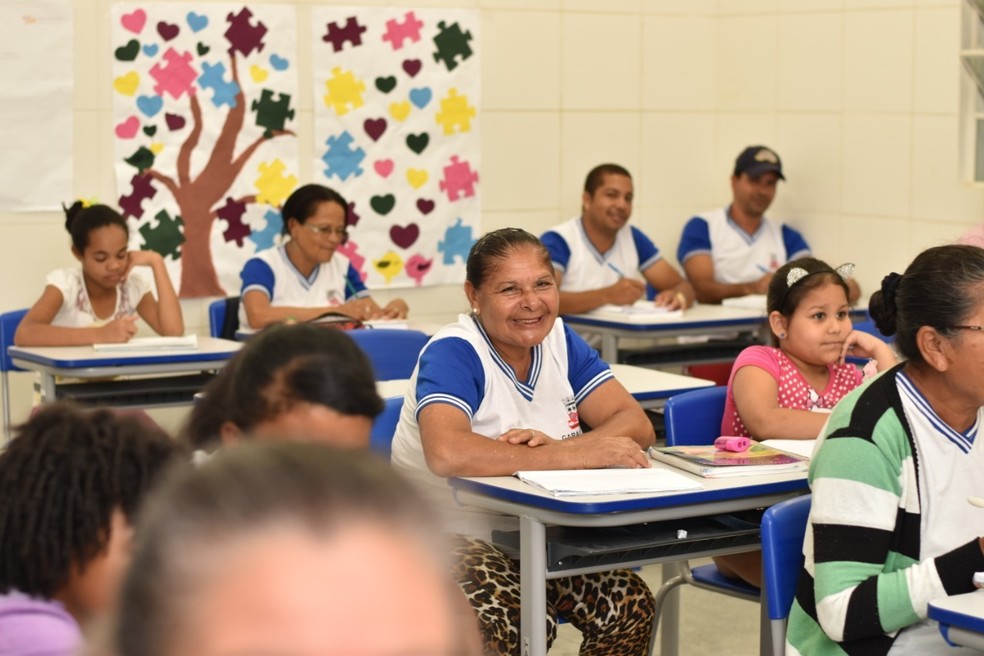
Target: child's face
[(106, 258), (93, 590), (818, 327)]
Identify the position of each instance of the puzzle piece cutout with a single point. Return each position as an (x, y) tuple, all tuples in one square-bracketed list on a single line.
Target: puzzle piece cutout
[(457, 242), (388, 266), (455, 113), (344, 91), (267, 237), (418, 267), (272, 114), (350, 249), (223, 92), (175, 76), (397, 33), (341, 159), (232, 213), (458, 178), (451, 44), (142, 188), (272, 186), (243, 35), (165, 237), (350, 33)]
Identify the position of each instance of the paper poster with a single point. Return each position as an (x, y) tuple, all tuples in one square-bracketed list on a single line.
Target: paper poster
[(36, 97), (204, 133), (396, 97)]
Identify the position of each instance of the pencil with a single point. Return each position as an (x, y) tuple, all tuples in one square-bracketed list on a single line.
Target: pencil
[(615, 269)]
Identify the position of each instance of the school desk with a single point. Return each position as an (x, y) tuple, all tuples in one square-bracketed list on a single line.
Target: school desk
[(961, 619), (632, 529), (160, 377)]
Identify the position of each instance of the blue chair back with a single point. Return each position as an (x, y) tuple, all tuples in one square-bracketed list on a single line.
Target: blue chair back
[(783, 530), (223, 317), (393, 352), (381, 437), (8, 326), (694, 418)]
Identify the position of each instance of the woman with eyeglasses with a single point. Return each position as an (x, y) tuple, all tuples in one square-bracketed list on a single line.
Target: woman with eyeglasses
[(893, 522), (306, 276)]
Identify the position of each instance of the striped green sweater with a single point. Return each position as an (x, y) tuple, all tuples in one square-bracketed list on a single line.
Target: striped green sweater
[(863, 578)]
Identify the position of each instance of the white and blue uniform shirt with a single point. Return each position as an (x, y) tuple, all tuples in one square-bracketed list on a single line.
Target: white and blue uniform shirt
[(271, 272), (584, 268), (739, 257), (459, 367)]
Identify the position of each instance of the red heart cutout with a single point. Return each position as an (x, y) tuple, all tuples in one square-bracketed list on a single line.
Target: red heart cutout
[(167, 30), (404, 237), (174, 121), (425, 206), (411, 66), (374, 127)]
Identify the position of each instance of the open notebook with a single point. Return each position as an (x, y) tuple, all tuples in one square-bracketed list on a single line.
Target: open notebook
[(570, 482), (185, 343), (638, 312)]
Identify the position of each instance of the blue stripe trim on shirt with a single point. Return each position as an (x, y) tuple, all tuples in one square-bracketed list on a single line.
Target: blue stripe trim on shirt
[(306, 281), (913, 394), (593, 384), (525, 389), (443, 398)]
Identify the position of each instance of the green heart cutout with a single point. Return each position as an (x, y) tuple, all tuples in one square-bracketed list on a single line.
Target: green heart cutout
[(383, 205), (202, 49), (150, 130), (417, 142), (386, 84), (128, 52)]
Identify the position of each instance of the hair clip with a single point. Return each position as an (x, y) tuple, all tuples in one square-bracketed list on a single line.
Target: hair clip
[(845, 270), (795, 275)]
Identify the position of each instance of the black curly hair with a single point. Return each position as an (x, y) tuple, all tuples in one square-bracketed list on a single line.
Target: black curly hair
[(61, 478)]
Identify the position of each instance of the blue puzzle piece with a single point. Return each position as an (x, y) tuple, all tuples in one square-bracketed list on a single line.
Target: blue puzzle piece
[(213, 77), (457, 242), (341, 159), (266, 238)]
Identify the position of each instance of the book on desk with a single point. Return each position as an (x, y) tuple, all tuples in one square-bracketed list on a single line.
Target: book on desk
[(638, 312), (570, 482), (710, 462)]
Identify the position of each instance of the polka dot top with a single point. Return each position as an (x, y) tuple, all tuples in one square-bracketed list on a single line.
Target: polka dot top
[(795, 392)]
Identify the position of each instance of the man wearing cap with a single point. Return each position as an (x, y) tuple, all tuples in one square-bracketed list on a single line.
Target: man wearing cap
[(733, 251), (599, 258)]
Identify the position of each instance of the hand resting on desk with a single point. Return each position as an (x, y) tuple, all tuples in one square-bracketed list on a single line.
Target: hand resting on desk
[(594, 451)]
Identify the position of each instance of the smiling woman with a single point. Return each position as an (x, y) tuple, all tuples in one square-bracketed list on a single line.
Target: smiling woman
[(308, 276), (510, 387)]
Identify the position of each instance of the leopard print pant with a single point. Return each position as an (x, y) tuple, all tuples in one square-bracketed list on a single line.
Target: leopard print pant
[(612, 610)]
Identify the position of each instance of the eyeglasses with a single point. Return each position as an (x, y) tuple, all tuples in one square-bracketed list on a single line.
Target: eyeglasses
[(327, 230)]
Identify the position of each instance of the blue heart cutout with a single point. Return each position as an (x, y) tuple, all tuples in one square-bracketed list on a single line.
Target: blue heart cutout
[(149, 105), (420, 96)]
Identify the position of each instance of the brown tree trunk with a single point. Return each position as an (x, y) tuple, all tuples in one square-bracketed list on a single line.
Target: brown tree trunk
[(198, 277)]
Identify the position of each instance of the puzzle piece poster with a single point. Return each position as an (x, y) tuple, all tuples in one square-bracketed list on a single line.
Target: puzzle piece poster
[(396, 97), (204, 102)]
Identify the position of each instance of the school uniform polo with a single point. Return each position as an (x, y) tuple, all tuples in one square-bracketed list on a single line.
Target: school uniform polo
[(739, 257), (271, 272)]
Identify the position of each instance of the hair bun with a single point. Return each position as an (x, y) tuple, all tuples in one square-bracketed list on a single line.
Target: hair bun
[(882, 307), (72, 212)]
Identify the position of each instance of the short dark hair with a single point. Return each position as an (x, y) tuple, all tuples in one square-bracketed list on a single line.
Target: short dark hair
[(303, 203), (935, 290), (80, 221), (61, 478), (596, 176), (237, 494), (492, 247), (281, 366)]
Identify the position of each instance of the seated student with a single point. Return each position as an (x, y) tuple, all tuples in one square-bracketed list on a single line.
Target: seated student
[(288, 548), (293, 380), (599, 258), (306, 277), (787, 390), (71, 483), (890, 526), (100, 300)]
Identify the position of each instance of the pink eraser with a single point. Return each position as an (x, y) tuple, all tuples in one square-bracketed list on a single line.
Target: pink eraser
[(732, 443)]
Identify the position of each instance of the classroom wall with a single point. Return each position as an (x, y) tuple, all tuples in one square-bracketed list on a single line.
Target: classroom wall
[(859, 98)]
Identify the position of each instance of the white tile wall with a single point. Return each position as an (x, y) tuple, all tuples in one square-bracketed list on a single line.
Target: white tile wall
[(601, 61), (811, 64), (876, 165), (878, 52), (678, 63), (747, 62)]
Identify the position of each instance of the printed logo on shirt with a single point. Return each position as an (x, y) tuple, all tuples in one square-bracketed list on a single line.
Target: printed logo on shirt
[(334, 298), (573, 421)]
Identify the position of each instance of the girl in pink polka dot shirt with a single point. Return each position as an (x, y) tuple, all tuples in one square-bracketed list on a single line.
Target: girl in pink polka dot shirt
[(786, 391)]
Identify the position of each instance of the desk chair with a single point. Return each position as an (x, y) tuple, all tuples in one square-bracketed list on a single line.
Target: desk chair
[(223, 317), (393, 352), (694, 418), (8, 326), (783, 530), (381, 437)]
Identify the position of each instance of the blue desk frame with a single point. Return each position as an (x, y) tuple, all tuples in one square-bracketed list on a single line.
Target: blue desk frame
[(961, 619)]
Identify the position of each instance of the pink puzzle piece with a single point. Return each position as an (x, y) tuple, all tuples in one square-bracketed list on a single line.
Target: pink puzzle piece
[(397, 33), (350, 249), (418, 267), (176, 77), (458, 178)]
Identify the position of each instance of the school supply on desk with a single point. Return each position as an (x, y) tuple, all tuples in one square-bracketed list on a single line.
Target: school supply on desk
[(336, 320), (185, 343), (749, 302), (569, 482), (732, 443), (638, 312), (710, 462)]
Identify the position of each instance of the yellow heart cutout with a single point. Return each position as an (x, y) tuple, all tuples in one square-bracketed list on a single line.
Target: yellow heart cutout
[(127, 84), (400, 110), (417, 178), (156, 147), (258, 73)]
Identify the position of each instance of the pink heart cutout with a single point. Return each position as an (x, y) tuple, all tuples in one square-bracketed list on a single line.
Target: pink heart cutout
[(404, 237), (128, 128), (383, 167), (425, 206), (134, 21)]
